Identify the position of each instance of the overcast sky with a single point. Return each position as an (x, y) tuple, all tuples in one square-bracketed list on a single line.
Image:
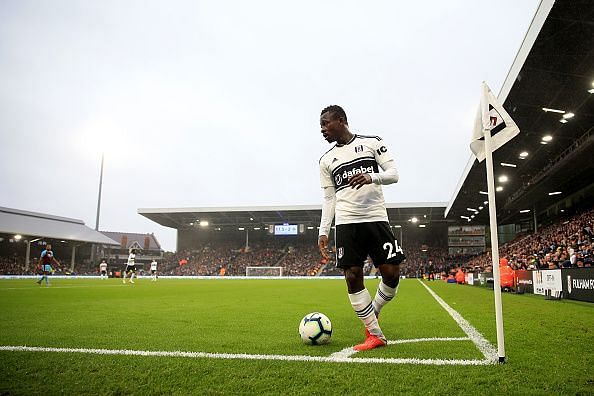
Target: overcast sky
[(217, 103)]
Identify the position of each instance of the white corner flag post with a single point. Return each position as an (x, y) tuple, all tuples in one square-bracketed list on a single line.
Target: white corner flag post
[(494, 127)]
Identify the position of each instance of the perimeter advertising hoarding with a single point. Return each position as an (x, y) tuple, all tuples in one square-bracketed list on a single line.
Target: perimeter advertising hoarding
[(578, 283), (546, 280), (485, 279), (469, 278), (524, 282)]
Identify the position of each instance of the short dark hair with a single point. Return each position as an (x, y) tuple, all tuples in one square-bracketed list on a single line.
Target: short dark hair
[(337, 111)]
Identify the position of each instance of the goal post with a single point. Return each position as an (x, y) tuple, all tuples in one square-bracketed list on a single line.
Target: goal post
[(264, 271)]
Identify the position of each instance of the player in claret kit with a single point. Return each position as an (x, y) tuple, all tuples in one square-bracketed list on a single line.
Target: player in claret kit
[(45, 261), (130, 266), (351, 180)]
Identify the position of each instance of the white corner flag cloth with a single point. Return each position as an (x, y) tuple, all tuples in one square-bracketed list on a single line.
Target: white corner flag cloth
[(491, 117)]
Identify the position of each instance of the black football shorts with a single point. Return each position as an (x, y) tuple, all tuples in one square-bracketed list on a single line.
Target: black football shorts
[(356, 241)]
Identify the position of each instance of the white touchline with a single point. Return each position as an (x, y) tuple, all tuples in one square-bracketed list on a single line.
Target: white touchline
[(245, 356), (481, 343), (52, 287)]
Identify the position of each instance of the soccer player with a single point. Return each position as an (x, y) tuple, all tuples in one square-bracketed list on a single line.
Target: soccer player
[(351, 181), (46, 260), (153, 270), (103, 269), (130, 266)]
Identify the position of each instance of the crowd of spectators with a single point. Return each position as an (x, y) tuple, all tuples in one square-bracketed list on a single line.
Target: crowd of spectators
[(12, 265), (302, 259), (229, 259), (564, 244), (207, 260), (424, 258), (15, 265)]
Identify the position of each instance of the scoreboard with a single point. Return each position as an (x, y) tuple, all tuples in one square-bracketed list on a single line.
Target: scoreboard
[(286, 229)]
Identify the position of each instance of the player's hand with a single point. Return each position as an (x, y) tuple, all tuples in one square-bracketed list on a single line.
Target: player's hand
[(323, 245), (360, 180)]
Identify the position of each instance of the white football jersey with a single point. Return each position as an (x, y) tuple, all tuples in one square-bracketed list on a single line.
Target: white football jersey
[(363, 154), (103, 267), (153, 265), (131, 259)]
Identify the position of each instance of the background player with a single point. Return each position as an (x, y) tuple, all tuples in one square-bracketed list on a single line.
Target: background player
[(46, 260), (350, 177), (130, 266), (153, 270), (103, 269)]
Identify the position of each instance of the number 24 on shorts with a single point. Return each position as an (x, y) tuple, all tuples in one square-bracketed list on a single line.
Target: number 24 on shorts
[(392, 249)]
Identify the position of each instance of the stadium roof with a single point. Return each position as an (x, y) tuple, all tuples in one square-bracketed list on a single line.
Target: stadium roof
[(13, 221), (134, 239), (553, 70), (180, 218)]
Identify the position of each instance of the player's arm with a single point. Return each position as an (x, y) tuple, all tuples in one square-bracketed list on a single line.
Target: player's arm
[(384, 159), (328, 207), (388, 176)]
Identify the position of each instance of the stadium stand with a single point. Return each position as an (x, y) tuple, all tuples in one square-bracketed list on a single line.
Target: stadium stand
[(231, 259), (566, 243)]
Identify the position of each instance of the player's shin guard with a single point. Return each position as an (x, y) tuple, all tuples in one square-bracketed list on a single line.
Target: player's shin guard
[(384, 295), (363, 306)]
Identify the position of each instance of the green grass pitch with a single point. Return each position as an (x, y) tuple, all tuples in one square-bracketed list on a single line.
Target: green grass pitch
[(549, 344)]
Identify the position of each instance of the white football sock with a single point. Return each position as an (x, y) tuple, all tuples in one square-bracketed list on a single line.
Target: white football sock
[(363, 306), (384, 295)]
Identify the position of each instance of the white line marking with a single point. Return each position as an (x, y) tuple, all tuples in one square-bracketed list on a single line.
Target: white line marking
[(245, 356), (347, 352), (428, 340), (57, 287), (344, 354), (481, 343)]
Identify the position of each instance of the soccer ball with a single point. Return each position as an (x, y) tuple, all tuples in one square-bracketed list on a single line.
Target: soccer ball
[(315, 329)]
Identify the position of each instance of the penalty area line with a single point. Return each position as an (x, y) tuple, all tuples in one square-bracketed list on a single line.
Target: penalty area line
[(245, 356)]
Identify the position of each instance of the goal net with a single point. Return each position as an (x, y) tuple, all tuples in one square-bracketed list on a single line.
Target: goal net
[(263, 271)]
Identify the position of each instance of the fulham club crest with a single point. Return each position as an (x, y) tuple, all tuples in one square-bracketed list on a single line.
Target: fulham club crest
[(340, 252)]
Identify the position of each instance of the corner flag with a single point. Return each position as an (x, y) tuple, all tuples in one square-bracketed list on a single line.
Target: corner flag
[(493, 127), (491, 117)]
